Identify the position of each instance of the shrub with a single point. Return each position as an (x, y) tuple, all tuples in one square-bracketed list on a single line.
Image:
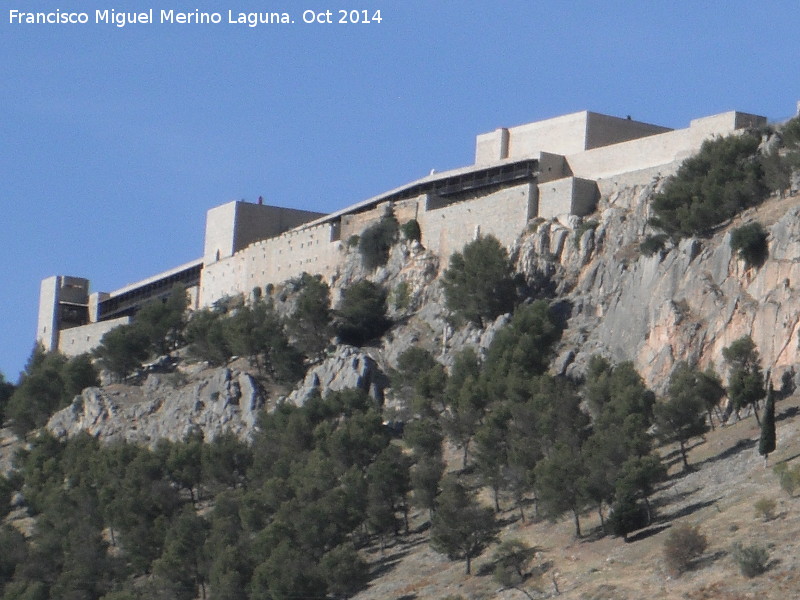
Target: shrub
[(653, 244), (791, 132), (353, 240), (401, 295), (682, 546), (533, 226), (361, 315), (765, 508), (411, 231), (583, 228), (752, 560), (376, 241), (479, 284), (511, 559), (750, 242), (789, 479), (721, 180)]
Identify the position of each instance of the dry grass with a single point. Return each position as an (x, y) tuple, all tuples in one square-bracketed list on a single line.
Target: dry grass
[(718, 495)]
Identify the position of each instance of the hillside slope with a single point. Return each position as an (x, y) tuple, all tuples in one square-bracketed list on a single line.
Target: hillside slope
[(719, 496)]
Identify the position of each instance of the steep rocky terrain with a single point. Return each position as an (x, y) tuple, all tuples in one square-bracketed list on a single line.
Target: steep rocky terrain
[(687, 301), (718, 495)]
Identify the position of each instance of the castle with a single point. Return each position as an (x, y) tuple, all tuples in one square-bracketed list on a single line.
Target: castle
[(544, 169)]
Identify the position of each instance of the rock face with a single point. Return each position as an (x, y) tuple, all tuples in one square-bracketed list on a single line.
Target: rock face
[(215, 401), (686, 302), (348, 367)]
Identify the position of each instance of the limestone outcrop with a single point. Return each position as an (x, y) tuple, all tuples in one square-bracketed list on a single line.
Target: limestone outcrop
[(686, 302), (347, 367), (213, 401)]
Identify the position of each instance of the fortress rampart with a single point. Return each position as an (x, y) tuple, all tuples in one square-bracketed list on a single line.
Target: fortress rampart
[(543, 169)]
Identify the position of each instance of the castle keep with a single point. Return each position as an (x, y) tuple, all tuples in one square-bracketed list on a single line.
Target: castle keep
[(544, 169)]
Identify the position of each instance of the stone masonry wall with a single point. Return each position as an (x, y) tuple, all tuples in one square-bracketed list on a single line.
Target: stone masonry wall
[(77, 340), (503, 214)]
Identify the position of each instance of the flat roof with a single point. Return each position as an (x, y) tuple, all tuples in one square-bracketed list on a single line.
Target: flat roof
[(508, 165), (132, 286)]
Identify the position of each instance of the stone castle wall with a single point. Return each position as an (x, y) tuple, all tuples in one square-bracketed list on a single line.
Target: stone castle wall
[(77, 340), (249, 246)]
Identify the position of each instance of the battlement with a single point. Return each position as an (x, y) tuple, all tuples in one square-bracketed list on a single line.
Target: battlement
[(543, 169)]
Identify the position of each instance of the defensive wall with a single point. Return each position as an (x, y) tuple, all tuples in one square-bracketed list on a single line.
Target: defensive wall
[(544, 169)]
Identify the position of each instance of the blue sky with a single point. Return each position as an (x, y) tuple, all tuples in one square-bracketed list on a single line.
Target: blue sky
[(114, 142)]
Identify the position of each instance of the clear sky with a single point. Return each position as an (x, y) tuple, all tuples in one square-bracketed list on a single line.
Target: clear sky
[(114, 142)]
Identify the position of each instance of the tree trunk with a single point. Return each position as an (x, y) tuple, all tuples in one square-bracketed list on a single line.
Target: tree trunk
[(496, 500), (755, 412), (577, 523), (683, 456), (602, 519), (469, 565)]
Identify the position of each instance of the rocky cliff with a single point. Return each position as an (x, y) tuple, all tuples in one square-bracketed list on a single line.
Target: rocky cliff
[(686, 302)]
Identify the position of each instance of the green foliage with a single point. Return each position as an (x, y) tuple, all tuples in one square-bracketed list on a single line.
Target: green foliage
[(461, 528), (418, 380), (777, 170), (344, 571), (491, 451), (627, 515), (6, 390), (162, 322), (583, 228), (181, 564), (745, 380), (751, 560), (49, 383), (353, 240), (283, 516), (522, 348), (388, 484), (765, 508), (479, 284), (376, 241), (789, 479), (750, 243), (682, 415), (411, 231), (122, 350), (255, 331), (722, 179), (511, 560), (15, 552), (401, 295), (790, 132), (361, 314), (653, 244), (559, 481), (157, 329), (466, 401), (205, 333), (682, 546), (309, 326), (766, 442)]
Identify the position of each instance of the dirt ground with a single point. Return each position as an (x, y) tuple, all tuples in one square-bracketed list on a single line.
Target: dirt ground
[(719, 494)]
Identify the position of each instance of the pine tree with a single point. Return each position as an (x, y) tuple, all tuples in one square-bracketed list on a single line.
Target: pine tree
[(766, 445), (461, 527)]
